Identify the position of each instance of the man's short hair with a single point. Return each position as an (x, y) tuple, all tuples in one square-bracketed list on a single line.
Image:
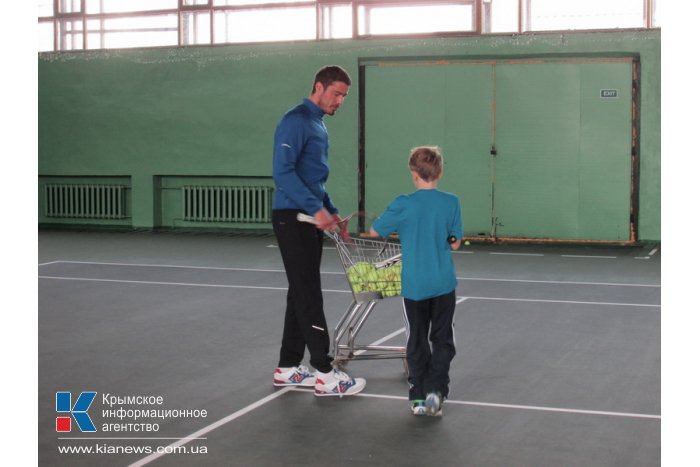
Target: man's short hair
[(426, 161), (330, 74)]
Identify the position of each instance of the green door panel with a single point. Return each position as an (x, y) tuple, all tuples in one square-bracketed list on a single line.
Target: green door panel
[(605, 165), (537, 138), (445, 105), (563, 169)]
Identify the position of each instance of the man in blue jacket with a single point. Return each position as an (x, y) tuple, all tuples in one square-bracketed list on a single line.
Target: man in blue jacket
[(300, 170)]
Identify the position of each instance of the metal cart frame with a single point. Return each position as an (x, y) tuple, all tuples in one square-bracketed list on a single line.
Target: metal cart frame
[(366, 294)]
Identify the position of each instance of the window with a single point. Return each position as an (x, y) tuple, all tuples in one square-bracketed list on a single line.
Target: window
[(336, 21), (406, 18), (196, 27), (128, 6), (270, 24), (552, 15), (66, 25), (138, 31), (500, 16)]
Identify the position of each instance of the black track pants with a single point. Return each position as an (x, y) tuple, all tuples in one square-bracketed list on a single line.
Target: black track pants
[(301, 245), (431, 346)]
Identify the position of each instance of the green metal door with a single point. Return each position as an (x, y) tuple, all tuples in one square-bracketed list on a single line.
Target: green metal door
[(446, 105), (561, 132), (563, 139)]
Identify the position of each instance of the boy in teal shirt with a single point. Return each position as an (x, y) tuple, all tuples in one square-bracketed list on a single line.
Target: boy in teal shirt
[(426, 221)]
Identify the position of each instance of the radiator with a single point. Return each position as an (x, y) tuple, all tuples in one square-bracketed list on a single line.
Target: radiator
[(227, 203), (88, 201)]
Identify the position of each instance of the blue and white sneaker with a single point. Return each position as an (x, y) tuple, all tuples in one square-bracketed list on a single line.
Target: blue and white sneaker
[(337, 383), (418, 407), (294, 376), (433, 404)]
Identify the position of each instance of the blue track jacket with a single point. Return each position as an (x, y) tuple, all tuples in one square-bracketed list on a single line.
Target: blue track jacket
[(300, 160)]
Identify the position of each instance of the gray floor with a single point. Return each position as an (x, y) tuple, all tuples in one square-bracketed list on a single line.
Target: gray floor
[(558, 358)]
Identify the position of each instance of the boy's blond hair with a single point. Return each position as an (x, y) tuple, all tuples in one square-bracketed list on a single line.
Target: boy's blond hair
[(426, 161)]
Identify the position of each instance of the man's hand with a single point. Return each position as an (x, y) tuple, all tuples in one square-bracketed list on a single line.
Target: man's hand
[(342, 226), (324, 220)]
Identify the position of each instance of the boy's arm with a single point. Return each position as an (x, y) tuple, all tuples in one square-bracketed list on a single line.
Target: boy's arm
[(388, 221), (457, 229)]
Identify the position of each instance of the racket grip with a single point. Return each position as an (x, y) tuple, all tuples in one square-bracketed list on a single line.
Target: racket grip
[(301, 217), (451, 239)]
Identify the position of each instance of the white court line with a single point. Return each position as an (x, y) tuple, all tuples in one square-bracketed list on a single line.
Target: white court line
[(649, 255), (177, 266), (587, 256), (186, 284), (517, 254), (562, 301), (226, 286), (513, 406), (557, 409), (613, 284), (174, 266), (213, 426)]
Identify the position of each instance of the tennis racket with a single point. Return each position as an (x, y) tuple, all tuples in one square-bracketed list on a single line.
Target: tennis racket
[(353, 223)]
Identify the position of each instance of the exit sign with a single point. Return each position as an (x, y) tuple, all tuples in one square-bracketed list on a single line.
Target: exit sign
[(608, 93)]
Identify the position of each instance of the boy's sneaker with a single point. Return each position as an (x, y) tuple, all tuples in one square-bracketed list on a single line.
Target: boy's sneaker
[(433, 404), (338, 383), (294, 376), (418, 407)]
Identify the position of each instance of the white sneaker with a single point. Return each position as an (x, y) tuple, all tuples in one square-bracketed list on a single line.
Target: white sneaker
[(294, 376), (434, 403), (338, 383)]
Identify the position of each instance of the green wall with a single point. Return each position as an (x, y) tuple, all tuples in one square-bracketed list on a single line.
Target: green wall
[(211, 111)]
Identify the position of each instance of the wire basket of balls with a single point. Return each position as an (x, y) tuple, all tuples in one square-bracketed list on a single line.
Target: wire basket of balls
[(372, 267)]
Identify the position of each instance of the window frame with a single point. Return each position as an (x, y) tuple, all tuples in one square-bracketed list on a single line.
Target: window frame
[(479, 17)]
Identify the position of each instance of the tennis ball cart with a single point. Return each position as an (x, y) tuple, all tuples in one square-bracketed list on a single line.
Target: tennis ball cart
[(373, 271)]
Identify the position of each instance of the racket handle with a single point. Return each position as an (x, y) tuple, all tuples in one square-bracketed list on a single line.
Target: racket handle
[(301, 217), (451, 239)]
